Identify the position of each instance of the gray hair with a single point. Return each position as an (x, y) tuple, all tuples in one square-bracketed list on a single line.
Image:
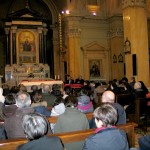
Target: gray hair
[(46, 88), (35, 125), (23, 99), (107, 114)]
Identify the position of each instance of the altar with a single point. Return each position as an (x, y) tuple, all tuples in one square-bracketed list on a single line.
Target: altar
[(18, 73), (29, 83)]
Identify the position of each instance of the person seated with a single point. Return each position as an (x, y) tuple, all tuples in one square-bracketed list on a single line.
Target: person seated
[(56, 90), (67, 91), (71, 120), (34, 88), (99, 89), (144, 142), (36, 127), (69, 80), (144, 87), (132, 82), (12, 124), (139, 92), (22, 88), (57, 109), (106, 136), (114, 88), (85, 105), (109, 97), (39, 105), (47, 96), (79, 80), (9, 106)]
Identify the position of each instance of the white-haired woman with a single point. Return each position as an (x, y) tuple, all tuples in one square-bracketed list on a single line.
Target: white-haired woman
[(36, 128)]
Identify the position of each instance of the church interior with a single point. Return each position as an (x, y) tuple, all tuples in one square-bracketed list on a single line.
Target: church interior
[(44, 43), (98, 39)]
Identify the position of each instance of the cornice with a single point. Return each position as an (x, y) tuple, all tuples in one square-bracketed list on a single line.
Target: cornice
[(133, 3)]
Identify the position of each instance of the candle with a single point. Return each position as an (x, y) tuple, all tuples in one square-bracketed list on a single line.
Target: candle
[(58, 77), (55, 77)]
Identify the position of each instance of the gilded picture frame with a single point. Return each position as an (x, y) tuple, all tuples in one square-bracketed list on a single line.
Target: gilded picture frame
[(27, 47)]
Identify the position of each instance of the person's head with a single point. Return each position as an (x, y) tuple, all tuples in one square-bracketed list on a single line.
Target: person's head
[(105, 115), (37, 96), (86, 82), (55, 87), (108, 97), (97, 84), (70, 101), (22, 88), (137, 85), (124, 79), (68, 90), (58, 101), (9, 100), (46, 88), (23, 99), (14, 89), (69, 77), (34, 88), (35, 126), (132, 79)]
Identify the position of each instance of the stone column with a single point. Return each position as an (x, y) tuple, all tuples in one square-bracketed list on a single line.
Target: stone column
[(135, 29), (14, 59), (41, 56), (117, 51), (45, 45), (74, 53), (7, 32)]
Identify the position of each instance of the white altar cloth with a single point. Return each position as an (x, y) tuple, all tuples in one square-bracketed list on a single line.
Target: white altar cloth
[(29, 83)]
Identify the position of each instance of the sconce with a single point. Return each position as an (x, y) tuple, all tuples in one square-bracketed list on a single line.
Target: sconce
[(114, 59), (120, 58), (127, 46)]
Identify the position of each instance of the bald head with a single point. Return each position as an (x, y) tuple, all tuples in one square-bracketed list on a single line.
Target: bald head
[(108, 97)]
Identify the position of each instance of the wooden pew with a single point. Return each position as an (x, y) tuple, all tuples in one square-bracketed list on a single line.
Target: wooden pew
[(124, 99), (71, 137), (54, 118)]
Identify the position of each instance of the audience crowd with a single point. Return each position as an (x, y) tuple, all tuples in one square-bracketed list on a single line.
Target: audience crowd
[(24, 113)]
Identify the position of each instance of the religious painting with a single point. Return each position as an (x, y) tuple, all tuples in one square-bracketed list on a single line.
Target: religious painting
[(127, 46), (94, 68), (27, 46)]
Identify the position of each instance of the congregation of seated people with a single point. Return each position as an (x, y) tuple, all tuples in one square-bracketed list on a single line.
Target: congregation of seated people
[(69, 106)]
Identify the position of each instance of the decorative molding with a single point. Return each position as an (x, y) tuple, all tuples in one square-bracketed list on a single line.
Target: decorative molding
[(115, 32), (133, 3), (74, 32), (14, 29)]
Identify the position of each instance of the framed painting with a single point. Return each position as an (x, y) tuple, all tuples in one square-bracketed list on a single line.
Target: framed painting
[(27, 46), (94, 68)]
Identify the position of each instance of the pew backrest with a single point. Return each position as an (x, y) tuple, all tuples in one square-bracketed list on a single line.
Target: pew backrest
[(53, 119), (71, 137)]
